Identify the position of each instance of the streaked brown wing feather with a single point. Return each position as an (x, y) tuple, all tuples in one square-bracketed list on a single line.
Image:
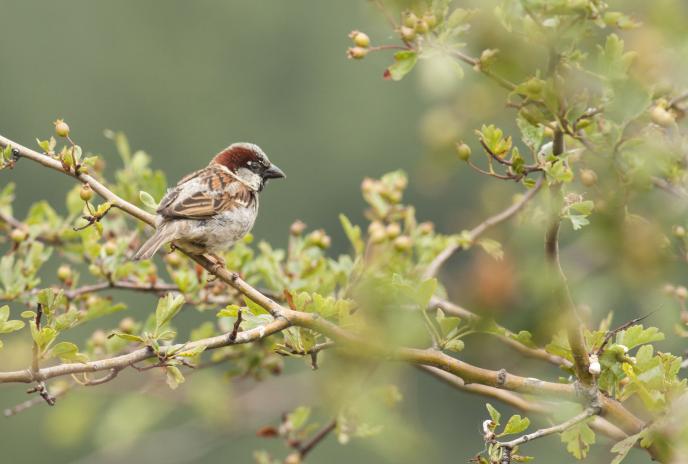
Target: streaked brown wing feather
[(207, 201)]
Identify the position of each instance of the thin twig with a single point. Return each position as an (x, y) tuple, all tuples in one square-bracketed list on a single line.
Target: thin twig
[(481, 228), (588, 412), (317, 438)]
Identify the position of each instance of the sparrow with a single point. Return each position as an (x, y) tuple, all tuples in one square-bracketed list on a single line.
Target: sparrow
[(209, 210)]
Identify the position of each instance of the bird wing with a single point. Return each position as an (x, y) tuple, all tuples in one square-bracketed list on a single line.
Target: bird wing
[(205, 193)]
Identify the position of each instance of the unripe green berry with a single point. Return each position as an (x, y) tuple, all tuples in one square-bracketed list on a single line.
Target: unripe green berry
[(61, 128), (588, 177), (408, 34), (679, 231), (356, 53), (86, 192), (463, 151), (64, 273), (18, 235)]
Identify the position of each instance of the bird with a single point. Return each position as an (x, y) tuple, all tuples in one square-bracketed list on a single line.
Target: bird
[(211, 209)]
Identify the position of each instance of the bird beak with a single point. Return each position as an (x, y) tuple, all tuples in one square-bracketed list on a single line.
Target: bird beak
[(273, 172)]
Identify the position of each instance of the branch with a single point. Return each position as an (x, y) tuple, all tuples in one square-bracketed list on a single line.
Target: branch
[(574, 326), (316, 439), (518, 402), (284, 317), (481, 228), (536, 353), (588, 412)]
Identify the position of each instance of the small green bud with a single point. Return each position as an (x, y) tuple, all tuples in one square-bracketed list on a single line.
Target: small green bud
[(422, 27), (64, 273), (360, 39), (431, 20), (393, 230), (18, 235), (99, 338), (403, 243), (662, 117), (127, 325), (110, 247), (409, 18), (297, 228), (588, 177), (61, 128), (356, 53), (408, 34), (86, 192), (679, 231), (463, 151)]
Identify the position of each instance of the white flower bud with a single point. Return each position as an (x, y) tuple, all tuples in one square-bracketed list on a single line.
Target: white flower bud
[(594, 368)]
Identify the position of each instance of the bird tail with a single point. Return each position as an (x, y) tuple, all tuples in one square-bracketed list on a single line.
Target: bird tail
[(162, 235)]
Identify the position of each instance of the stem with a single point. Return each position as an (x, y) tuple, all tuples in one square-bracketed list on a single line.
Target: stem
[(587, 413)]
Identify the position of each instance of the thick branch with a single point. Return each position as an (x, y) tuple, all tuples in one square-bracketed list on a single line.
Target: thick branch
[(536, 353), (284, 317)]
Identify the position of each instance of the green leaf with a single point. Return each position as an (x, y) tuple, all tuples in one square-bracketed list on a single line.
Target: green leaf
[(492, 248), (44, 337), (148, 200), (560, 172), (7, 326), (578, 440), (583, 207), (353, 233), (68, 352), (637, 335), (425, 291), (173, 377), (495, 415), (168, 307), (404, 61), (624, 446), (455, 345), (516, 424), (298, 417), (128, 337), (192, 352), (254, 307), (524, 337), (578, 221), (229, 311)]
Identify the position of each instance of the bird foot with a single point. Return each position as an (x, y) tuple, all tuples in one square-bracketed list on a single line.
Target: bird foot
[(218, 265)]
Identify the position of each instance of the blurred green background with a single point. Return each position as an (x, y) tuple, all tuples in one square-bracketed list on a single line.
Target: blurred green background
[(185, 79)]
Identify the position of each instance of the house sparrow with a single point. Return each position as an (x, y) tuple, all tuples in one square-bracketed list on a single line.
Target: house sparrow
[(211, 209)]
